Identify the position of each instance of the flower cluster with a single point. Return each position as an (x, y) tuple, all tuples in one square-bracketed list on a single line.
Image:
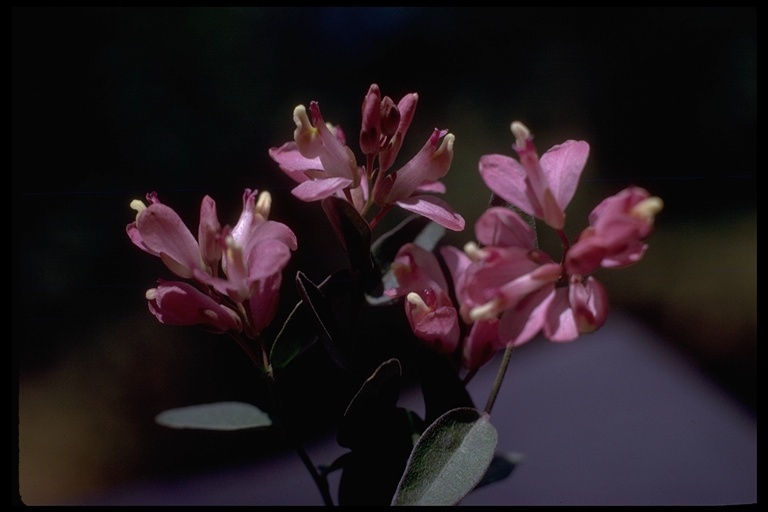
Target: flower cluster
[(507, 289), (497, 292), (233, 275), (323, 165)]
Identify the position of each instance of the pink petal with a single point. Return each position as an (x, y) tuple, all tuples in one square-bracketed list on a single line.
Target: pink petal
[(317, 189), (266, 257), (559, 323), (481, 344), (434, 209), (430, 164), (503, 227), (562, 166), (163, 232), (506, 178), (264, 301), (520, 324), (439, 328), (179, 303), (292, 162)]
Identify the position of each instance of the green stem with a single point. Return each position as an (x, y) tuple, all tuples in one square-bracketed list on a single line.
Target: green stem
[(499, 378), (320, 481)]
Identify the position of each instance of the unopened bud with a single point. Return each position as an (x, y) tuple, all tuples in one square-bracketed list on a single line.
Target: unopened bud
[(390, 117)]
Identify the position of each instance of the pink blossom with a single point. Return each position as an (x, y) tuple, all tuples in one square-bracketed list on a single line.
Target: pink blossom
[(159, 230), (539, 187), (241, 265), (428, 307), (322, 165), (617, 229), (482, 341), (404, 186), (180, 303), (255, 252)]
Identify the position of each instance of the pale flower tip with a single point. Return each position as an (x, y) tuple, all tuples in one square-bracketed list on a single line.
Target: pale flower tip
[(415, 299), (487, 311), (138, 205), (263, 204), (647, 209), (521, 133), (151, 294), (472, 250)]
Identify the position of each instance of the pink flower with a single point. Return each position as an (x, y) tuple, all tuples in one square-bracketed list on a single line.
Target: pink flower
[(323, 165), (255, 252), (482, 341), (160, 231), (614, 238), (180, 303), (421, 174), (512, 281), (539, 187), (241, 265), (321, 162), (428, 306)]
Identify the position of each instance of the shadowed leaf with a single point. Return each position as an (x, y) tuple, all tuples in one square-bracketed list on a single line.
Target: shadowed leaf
[(449, 459)]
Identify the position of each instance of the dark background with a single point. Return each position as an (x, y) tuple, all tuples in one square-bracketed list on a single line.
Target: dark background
[(110, 103)]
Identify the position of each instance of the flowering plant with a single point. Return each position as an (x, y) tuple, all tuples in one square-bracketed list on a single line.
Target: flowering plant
[(462, 306)]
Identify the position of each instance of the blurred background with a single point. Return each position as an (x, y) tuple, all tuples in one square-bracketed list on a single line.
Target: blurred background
[(111, 103)]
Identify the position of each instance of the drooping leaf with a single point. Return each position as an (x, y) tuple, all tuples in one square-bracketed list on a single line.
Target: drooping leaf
[(379, 392), (299, 331), (449, 459), (324, 317), (215, 416)]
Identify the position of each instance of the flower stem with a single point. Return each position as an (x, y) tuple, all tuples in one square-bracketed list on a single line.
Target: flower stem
[(499, 378), (320, 481)]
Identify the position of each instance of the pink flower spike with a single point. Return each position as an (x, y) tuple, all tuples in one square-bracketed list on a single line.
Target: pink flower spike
[(179, 303)]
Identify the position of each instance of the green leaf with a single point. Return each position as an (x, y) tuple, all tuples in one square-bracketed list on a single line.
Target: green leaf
[(376, 396), (215, 416), (449, 459), (299, 331), (324, 316), (353, 232)]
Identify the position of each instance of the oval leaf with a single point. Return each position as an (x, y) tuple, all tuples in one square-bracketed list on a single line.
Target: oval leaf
[(328, 329), (215, 416), (299, 331), (449, 459)]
